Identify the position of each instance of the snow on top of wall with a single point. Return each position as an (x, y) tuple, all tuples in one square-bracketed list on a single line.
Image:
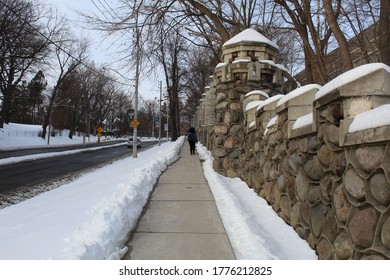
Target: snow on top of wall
[(253, 104), (250, 35), (297, 92), (350, 76), (270, 123), (221, 64), (271, 62), (303, 121), (374, 118), (257, 91), (270, 100), (242, 60)]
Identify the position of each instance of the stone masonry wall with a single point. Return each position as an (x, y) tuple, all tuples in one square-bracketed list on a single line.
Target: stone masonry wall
[(331, 185)]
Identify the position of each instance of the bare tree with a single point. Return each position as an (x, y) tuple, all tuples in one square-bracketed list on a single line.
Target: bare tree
[(121, 121), (69, 99), (24, 43), (103, 96), (69, 55), (321, 26), (324, 26), (148, 116), (170, 56), (199, 66), (35, 88), (359, 19), (314, 33)]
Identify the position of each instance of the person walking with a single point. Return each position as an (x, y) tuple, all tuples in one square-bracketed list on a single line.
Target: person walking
[(192, 139)]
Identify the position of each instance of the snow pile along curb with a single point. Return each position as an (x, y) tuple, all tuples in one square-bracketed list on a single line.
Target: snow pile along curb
[(119, 213), (89, 218)]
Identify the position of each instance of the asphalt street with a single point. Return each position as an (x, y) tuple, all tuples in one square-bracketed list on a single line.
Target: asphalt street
[(49, 149), (30, 173)]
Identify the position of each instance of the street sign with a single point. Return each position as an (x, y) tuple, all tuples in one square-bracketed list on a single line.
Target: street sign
[(99, 130), (130, 113), (134, 123)]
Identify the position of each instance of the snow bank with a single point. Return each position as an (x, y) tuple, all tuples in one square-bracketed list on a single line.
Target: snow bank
[(89, 218), (254, 229)]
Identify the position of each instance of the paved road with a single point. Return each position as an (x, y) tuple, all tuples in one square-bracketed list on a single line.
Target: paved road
[(33, 172), (49, 149)]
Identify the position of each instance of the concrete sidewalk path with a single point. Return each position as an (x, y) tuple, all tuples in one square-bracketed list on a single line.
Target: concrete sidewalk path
[(181, 220)]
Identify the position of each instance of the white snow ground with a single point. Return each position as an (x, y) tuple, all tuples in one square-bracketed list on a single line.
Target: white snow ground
[(90, 218)]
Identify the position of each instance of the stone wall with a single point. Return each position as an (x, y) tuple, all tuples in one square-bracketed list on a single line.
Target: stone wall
[(330, 182)]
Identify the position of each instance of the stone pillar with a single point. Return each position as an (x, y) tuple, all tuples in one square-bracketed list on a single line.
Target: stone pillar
[(248, 68)]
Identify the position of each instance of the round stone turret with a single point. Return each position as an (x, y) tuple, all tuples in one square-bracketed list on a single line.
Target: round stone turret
[(251, 57)]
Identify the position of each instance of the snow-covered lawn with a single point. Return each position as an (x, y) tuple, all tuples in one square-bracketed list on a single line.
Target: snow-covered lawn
[(21, 136)]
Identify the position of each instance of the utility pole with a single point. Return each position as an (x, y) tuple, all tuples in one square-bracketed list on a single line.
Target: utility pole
[(159, 117), (153, 123), (136, 92), (167, 126)]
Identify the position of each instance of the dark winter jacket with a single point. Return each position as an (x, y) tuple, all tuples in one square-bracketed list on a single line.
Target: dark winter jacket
[(192, 137)]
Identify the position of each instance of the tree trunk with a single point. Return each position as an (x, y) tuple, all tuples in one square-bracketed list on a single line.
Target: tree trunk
[(47, 119), (173, 114), (73, 127), (6, 106), (339, 35), (314, 59), (384, 32)]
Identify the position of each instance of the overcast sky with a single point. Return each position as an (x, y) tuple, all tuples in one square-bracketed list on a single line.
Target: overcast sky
[(101, 50), (69, 8)]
